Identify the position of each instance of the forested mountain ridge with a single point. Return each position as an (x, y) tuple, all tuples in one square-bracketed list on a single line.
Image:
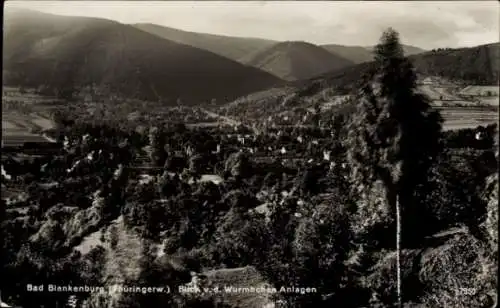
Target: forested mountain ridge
[(360, 54), (65, 54), (234, 48), (296, 60)]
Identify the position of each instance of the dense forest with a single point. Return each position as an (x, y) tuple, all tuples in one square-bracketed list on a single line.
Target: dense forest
[(476, 65)]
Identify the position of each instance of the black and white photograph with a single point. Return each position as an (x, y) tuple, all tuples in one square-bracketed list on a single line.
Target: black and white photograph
[(250, 154)]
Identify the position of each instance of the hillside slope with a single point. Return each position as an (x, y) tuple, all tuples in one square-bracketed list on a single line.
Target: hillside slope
[(331, 87), (233, 48), (296, 60), (356, 54), (408, 49), (244, 49), (477, 65), (67, 53), (359, 54)]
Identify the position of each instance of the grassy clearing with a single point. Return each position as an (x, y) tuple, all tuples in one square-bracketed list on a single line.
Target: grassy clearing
[(457, 118), (91, 241), (241, 277)]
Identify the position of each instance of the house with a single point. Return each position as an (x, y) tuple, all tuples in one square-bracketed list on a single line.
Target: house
[(326, 155)]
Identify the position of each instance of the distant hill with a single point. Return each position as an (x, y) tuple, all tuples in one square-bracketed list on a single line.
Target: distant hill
[(360, 54), (476, 65), (67, 53), (412, 50), (356, 54), (408, 49), (233, 48), (296, 60), (244, 49), (472, 66)]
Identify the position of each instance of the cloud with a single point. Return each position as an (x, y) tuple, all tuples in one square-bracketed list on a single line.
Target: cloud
[(427, 24)]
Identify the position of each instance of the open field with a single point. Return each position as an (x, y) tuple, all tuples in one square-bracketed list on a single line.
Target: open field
[(13, 120), (447, 93), (439, 92), (457, 93), (158, 167), (29, 99), (23, 114), (456, 103), (454, 125), (492, 101), (19, 128), (19, 140), (464, 107), (480, 90), (14, 94), (457, 118), (42, 122), (8, 125)]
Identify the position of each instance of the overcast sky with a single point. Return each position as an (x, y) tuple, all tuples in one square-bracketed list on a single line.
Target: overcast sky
[(426, 24)]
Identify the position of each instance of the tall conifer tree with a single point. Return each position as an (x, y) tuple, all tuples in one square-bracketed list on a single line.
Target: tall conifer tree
[(394, 134)]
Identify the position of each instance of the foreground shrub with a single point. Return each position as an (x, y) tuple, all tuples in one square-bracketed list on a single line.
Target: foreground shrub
[(382, 280), (462, 262)]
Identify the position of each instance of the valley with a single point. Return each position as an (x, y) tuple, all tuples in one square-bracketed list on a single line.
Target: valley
[(241, 171), (462, 106)]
